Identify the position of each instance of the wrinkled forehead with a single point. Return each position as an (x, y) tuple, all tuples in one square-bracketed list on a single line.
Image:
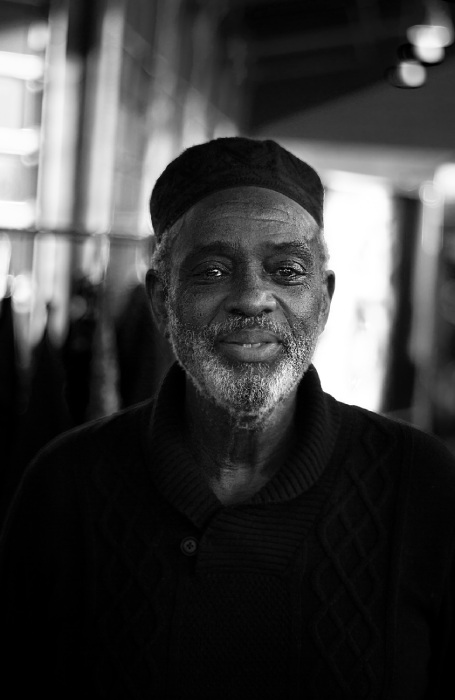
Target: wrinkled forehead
[(244, 210)]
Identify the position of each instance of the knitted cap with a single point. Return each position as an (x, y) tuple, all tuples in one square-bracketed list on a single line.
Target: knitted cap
[(232, 162)]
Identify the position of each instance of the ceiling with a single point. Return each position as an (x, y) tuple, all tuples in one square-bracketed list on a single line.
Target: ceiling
[(316, 79), (304, 53)]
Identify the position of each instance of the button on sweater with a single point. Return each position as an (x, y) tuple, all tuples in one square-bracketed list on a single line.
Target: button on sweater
[(124, 577)]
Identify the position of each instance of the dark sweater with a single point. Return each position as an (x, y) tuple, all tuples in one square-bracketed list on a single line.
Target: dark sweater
[(123, 576)]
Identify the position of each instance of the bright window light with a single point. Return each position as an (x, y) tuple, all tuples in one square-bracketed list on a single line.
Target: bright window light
[(445, 180), (38, 36), (17, 214), (22, 293), (352, 352), (5, 261), (20, 65), (21, 142)]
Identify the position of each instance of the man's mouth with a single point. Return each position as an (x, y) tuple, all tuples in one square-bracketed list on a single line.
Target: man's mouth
[(250, 336), (250, 345)]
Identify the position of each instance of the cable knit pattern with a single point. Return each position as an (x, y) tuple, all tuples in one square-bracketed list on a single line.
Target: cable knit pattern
[(130, 605), (331, 583), (349, 626)]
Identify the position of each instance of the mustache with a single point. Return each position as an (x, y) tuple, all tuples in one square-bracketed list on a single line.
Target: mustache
[(217, 330)]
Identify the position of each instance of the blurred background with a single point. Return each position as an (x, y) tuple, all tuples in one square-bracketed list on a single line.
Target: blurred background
[(97, 96)]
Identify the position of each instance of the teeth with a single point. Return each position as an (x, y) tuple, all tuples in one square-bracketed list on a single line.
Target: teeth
[(251, 345)]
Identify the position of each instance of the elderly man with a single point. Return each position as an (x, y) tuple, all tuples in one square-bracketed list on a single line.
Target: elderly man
[(244, 535)]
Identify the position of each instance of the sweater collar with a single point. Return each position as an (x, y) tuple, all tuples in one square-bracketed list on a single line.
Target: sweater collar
[(179, 479)]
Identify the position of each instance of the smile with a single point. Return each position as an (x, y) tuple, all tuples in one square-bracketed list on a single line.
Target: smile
[(255, 351)]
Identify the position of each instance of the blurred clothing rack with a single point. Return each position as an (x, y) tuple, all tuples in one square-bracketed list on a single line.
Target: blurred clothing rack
[(77, 338)]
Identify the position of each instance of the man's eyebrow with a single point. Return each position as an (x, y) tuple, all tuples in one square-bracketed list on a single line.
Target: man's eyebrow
[(219, 247), (297, 246), (222, 247)]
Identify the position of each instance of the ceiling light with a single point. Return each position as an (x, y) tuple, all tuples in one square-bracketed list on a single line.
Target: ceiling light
[(430, 35), (407, 74), (412, 73), (429, 54)]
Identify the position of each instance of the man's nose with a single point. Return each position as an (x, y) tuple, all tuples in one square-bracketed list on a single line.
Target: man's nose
[(250, 296)]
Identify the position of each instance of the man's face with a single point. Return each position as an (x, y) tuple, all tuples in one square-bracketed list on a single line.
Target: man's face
[(247, 298)]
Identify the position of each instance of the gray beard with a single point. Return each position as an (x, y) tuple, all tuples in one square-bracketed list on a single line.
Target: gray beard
[(248, 391)]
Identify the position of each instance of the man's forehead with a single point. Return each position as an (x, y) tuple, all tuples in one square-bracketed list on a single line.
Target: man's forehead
[(250, 210), (249, 204)]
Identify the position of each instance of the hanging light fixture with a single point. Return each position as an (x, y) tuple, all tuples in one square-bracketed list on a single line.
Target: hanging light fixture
[(426, 47), (407, 74), (432, 37)]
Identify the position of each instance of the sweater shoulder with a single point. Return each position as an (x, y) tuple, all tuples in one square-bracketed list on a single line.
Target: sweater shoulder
[(100, 455), (394, 427), (420, 461), (428, 451), (110, 440), (107, 433)]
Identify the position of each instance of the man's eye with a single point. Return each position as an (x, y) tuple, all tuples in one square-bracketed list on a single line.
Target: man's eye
[(288, 272), (209, 272), (213, 272)]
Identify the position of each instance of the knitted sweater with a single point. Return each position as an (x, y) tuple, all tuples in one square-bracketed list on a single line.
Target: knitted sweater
[(123, 577)]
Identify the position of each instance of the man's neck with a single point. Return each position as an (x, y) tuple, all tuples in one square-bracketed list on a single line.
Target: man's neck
[(237, 461)]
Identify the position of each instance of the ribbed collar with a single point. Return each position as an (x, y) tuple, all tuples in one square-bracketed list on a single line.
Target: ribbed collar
[(179, 479)]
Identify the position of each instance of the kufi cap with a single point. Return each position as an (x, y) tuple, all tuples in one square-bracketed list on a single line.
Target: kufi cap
[(232, 162)]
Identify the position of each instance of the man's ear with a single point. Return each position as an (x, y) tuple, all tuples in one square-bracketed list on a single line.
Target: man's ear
[(328, 285), (157, 294)]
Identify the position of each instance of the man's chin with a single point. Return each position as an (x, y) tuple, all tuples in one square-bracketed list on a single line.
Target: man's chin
[(241, 415), (245, 368), (247, 392)]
